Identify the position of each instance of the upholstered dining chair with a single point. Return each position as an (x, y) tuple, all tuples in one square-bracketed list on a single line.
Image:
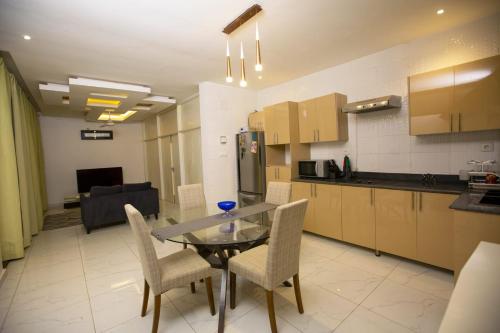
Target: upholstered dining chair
[(191, 196), (162, 274), (270, 264), (277, 193)]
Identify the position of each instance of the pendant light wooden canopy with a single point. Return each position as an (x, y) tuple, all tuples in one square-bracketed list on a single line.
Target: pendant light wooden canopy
[(240, 20)]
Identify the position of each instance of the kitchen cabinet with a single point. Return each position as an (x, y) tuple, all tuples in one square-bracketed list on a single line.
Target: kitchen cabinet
[(321, 119), (278, 173), (358, 215), (460, 98), (396, 222), (431, 102), (256, 121), (470, 229), (435, 229), (277, 123), (323, 216), (477, 95)]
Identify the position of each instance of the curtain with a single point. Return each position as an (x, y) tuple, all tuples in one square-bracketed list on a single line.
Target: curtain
[(22, 164), (11, 229)]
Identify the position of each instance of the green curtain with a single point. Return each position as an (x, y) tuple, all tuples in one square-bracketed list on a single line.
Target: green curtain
[(22, 159), (11, 229)]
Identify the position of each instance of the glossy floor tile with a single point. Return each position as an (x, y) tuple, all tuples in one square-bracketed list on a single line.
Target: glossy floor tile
[(74, 282)]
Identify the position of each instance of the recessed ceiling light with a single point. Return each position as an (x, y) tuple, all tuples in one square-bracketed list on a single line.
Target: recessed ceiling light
[(440, 11), (27, 37), (116, 117), (260, 77), (103, 102)]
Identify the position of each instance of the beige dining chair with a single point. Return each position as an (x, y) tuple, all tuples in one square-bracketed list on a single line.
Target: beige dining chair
[(269, 265), (191, 196), (162, 274), (278, 193)]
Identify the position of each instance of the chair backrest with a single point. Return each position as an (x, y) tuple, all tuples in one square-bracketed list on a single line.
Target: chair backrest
[(191, 196), (147, 252), (284, 243), (278, 193)]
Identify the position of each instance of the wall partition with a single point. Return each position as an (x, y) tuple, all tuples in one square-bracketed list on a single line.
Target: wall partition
[(23, 197)]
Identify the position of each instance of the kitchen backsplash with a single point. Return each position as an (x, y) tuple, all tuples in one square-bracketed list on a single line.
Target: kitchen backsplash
[(380, 141)]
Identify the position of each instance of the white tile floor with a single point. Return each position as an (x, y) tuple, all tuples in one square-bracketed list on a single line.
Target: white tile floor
[(74, 282)]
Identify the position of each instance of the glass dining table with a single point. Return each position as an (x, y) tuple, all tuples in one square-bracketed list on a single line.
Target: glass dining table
[(218, 236)]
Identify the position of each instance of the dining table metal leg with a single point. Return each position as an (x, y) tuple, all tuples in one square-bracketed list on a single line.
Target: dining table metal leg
[(222, 300)]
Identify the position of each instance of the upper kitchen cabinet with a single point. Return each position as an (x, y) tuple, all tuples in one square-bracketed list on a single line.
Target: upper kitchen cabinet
[(431, 102), (461, 98), (477, 95), (321, 119), (256, 121), (278, 120)]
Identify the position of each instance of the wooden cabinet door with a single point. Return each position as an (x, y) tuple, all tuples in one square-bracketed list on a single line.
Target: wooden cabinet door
[(269, 125), (435, 229), (396, 222), (327, 210), (358, 215), (284, 173), (271, 173), (281, 121), (256, 121), (477, 95), (305, 191), (327, 114), (307, 121), (431, 102)]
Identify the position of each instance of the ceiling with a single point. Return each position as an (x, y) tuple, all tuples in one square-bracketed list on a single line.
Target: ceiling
[(171, 46)]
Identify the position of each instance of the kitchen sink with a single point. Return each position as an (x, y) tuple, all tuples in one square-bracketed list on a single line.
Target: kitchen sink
[(491, 197)]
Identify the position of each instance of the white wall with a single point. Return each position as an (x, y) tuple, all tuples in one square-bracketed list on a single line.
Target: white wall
[(380, 141), (65, 152), (223, 111)]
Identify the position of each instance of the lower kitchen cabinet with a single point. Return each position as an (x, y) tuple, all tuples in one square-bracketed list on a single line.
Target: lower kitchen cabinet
[(470, 229), (435, 229), (279, 173), (396, 222), (358, 216), (323, 215)]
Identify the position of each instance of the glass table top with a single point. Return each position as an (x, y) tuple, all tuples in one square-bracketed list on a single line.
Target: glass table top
[(202, 226)]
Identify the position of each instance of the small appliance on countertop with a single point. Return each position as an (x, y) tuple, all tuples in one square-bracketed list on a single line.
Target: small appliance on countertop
[(314, 168)]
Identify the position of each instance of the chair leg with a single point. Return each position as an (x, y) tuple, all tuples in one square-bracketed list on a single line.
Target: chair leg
[(232, 290), (145, 299), (270, 310), (156, 316), (193, 288), (210, 294), (298, 296)]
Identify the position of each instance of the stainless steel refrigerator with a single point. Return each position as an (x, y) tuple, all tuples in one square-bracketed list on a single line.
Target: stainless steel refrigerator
[(251, 168)]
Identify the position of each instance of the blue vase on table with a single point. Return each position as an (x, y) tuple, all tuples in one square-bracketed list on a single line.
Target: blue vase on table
[(226, 206)]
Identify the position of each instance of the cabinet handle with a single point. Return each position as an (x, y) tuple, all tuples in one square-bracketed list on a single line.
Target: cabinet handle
[(315, 191), (459, 122), (278, 173), (451, 122), (314, 140), (371, 196), (277, 137), (412, 200), (311, 188), (318, 134), (420, 201)]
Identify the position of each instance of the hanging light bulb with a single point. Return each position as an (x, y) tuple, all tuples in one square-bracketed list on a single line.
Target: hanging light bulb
[(258, 61), (243, 81), (229, 76)]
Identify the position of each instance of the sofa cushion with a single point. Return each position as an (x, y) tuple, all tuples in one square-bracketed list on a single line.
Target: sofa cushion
[(136, 187), (99, 191)]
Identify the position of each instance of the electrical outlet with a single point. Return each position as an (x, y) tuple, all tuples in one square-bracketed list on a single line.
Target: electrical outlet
[(487, 147)]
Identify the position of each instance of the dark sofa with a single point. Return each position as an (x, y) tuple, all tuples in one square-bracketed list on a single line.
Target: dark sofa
[(104, 205)]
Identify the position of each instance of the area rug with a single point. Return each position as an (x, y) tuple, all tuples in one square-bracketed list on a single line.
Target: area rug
[(68, 218)]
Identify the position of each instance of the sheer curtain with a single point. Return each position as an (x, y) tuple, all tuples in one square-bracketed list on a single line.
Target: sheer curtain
[(22, 181)]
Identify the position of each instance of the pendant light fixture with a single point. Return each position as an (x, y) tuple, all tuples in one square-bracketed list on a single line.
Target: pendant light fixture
[(229, 76), (243, 81), (258, 61)]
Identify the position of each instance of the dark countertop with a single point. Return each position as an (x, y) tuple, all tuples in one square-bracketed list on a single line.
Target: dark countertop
[(398, 182), (469, 201)]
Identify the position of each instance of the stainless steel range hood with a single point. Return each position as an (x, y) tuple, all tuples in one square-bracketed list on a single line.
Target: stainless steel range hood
[(374, 104)]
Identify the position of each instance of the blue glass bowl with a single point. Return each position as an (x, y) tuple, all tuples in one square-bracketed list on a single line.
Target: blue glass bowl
[(226, 205)]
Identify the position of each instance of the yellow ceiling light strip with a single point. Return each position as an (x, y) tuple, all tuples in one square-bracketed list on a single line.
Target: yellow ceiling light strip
[(103, 102), (123, 96), (116, 117)]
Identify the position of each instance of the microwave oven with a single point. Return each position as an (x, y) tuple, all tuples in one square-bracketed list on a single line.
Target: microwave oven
[(314, 168)]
